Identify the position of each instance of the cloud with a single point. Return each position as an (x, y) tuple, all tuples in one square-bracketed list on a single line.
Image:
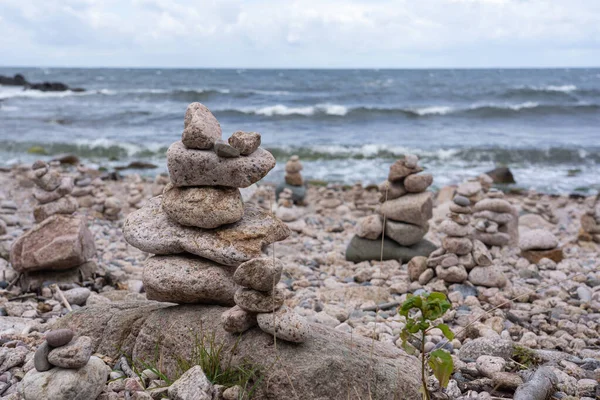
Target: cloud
[(302, 33)]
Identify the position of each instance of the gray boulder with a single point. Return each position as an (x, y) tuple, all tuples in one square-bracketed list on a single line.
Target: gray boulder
[(329, 365), (66, 384), (360, 249)]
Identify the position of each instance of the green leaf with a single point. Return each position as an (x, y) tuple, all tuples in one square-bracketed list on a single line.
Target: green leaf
[(436, 296), (442, 366), (409, 348), (446, 331)]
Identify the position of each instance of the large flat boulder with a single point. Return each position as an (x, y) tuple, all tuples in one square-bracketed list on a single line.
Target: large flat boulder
[(360, 249), (189, 167), (151, 230), (414, 208), (58, 243), (329, 365)]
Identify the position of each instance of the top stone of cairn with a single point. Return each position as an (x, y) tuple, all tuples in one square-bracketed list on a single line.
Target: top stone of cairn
[(200, 128)]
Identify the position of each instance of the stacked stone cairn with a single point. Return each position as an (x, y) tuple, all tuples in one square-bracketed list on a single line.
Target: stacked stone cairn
[(496, 220), (358, 199), (590, 220), (159, 184), (293, 181), (330, 200), (402, 220), (60, 241), (207, 243), (536, 244), (135, 192), (539, 206), (83, 190), (61, 349), (8, 215), (459, 253)]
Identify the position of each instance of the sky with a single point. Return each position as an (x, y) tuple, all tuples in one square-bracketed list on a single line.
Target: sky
[(300, 33)]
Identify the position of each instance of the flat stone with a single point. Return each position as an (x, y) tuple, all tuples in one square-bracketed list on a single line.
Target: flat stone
[(224, 149), (492, 239), (289, 214), (261, 274), (40, 358), (488, 365), (455, 208), (534, 256), (506, 380), (64, 205), (59, 337), (200, 127), (418, 183), (66, 384), (203, 207), (58, 243), (238, 320), (538, 239), (495, 205), (48, 181), (451, 228), (188, 167), (370, 227), (487, 276), (285, 324), (245, 142), (186, 279), (457, 245), (471, 350), (150, 230), (77, 296), (360, 249), (426, 276), (469, 188), (391, 190), (403, 233), (461, 201), (73, 355), (259, 302), (414, 209)]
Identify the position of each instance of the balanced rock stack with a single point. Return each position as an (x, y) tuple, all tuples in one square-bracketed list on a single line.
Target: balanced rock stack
[(286, 210), (358, 198), (293, 181), (259, 301), (402, 219), (459, 253), (496, 220), (8, 214), (159, 184), (61, 349), (53, 192), (83, 189), (330, 200), (60, 241), (590, 220), (541, 207), (135, 192), (536, 244), (200, 230)]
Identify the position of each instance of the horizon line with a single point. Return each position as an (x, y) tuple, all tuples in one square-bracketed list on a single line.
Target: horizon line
[(296, 68)]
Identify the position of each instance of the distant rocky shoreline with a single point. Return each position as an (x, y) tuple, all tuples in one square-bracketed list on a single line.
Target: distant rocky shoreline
[(19, 80)]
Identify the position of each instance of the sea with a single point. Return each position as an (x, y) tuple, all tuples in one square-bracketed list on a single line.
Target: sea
[(346, 125)]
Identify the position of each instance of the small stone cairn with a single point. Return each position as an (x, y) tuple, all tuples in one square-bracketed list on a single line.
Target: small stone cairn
[(159, 184), (207, 242), (61, 349), (475, 188), (135, 192), (536, 244), (8, 217), (403, 217), (496, 220), (532, 204), (459, 253), (294, 181), (83, 190), (590, 220), (59, 241)]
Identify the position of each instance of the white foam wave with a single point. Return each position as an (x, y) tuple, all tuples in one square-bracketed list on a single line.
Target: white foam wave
[(8, 92), (434, 110), (280, 109), (551, 88), (527, 104)]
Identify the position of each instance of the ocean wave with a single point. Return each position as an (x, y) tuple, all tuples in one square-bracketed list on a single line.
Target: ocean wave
[(548, 88), (477, 109), (8, 92), (115, 150)]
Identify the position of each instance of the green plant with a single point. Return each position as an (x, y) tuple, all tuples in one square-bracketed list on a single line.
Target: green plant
[(420, 312), (525, 357), (210, 355)]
